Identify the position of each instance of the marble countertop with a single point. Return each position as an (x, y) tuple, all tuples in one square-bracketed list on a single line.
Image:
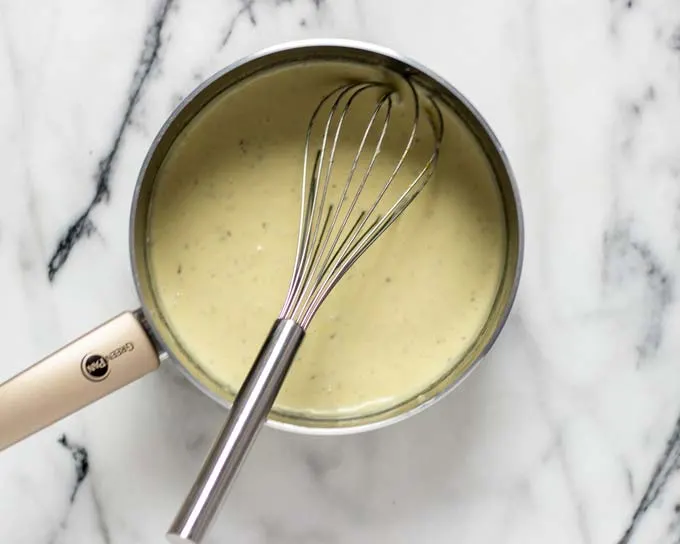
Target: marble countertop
[(570, 430)]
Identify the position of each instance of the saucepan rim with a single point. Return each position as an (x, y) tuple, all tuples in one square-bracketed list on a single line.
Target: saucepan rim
[(474, 120)]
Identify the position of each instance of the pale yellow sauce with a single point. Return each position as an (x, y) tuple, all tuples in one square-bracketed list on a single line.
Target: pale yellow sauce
[(222, 237)]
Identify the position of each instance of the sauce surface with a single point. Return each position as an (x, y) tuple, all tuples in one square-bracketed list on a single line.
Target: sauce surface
[(222, 236)]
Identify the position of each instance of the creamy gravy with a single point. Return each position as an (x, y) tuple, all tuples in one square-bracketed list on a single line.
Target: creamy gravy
[(222, 238)]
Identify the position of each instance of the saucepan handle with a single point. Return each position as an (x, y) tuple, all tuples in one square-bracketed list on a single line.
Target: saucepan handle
[(103, 360)]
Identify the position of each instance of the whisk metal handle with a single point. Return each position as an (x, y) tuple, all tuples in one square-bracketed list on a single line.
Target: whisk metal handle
[(250, 409)]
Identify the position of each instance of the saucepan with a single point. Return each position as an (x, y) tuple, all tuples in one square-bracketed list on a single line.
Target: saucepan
[(134, 343)]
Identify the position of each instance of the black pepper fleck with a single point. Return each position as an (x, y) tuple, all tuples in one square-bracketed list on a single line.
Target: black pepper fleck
[(179, 269)]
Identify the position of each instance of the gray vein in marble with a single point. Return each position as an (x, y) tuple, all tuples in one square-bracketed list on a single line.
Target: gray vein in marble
[(83, 226), (248, 6), (667, 465), (620, 7), (102, 525), (674, 525), (82, 470), (581, 516), (676, 219), (626, 256), (322, 463), (81, 460), (632, 113), (557, 447), (675, 40), (630, 484), (245, 11), (18, 81)]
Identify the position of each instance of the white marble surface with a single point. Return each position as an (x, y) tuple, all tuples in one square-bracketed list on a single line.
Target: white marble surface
[(568, 433)]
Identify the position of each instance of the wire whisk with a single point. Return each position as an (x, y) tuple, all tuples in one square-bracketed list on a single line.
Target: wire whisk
[(335, 231), (325, 253)]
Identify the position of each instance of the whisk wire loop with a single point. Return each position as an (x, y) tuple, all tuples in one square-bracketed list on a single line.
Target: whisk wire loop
[(327, 248), (326, 241)]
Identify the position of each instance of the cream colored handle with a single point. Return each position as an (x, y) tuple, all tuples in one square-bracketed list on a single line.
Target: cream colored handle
[(103, 360)]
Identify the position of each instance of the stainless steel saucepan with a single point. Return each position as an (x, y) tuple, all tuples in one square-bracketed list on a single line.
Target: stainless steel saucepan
[(134, 343)]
